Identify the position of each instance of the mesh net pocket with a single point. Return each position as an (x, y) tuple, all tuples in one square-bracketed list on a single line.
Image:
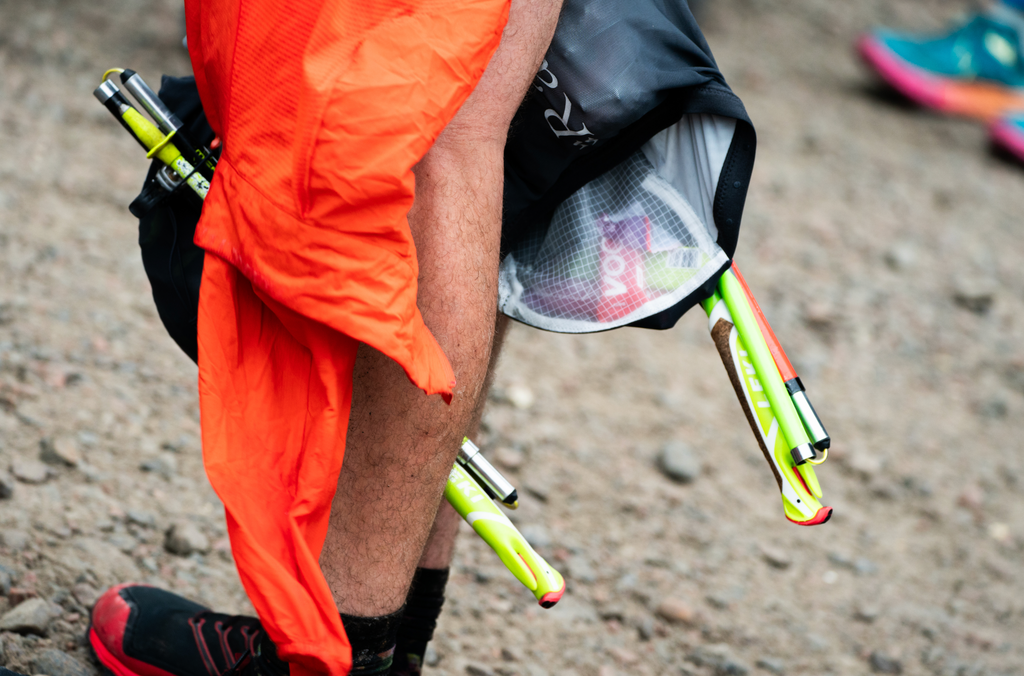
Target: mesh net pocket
[(623, 247)]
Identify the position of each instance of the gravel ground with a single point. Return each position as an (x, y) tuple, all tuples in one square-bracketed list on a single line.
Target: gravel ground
[(880, 239)]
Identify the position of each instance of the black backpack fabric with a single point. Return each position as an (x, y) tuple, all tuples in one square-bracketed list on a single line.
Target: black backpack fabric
[(167, 226), (617, 75)]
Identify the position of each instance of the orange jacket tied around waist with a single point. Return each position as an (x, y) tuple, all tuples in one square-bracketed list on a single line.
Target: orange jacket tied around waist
[(324, 107)]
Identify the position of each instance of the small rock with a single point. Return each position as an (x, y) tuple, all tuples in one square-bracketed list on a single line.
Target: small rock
[(178, 445), (538, 488), (645, 629), (999, 568), (866, 612), (60, 451), (476, 669), (184, 537), (510, 458), (816, 643), (883, 664), (974, 294), (141, 518), (776, 556), (56, 663), (126, 543), (15, 648), (772, 665), (606, 670), (431, 658), (719, 658), (14, 540), (87, 438), (581, 570), (520, 396), (5, 583), (901, 257), (30, 617), (18, 595), (92, 474), (165, 464), (6, 485), (972, 498), (820, 315), (719, 600), (1000, 532), (85, 594), (1013, 374), (676, 611), (863, 566), (995, 407), (884, 487), (840, 559), (537, 535), (865, 464), (678, 461), (29, 471), (623, 656)]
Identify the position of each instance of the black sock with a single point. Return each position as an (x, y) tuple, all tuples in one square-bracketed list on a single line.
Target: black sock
[(422, 608), (373, 642)]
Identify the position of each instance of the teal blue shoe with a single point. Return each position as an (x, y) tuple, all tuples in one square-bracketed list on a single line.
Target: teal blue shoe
[(975, 70)]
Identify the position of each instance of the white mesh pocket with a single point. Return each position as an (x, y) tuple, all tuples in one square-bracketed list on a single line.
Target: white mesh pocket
[(623, 247)]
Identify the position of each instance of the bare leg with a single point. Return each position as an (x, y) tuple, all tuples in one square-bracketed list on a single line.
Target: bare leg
[(402, 443), (441, 543)]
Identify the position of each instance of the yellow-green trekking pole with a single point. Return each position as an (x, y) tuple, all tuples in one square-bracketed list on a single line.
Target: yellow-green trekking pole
[(474, 505), (765, 401), (156, 143)]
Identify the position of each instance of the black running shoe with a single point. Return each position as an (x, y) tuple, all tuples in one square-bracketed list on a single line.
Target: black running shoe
[(139, 630)]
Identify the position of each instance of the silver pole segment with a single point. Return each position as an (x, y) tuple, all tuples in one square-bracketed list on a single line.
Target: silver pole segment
[(147, 98), (105, 91), (485, 473), (813, 424), (802, 453)]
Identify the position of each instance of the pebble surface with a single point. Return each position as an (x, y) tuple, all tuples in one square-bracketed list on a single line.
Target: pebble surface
[(883, 244)]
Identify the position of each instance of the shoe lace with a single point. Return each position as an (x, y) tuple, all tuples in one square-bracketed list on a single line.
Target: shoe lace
[(223, 627), (253, 663)]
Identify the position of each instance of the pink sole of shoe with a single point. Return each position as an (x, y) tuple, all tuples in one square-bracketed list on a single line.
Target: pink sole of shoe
[(1010, 137), (973, 99)]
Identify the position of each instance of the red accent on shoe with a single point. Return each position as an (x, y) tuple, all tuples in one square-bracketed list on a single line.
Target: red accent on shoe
[(225, 647), (204, 650), (250, 640), (821, 516), (109, 618)]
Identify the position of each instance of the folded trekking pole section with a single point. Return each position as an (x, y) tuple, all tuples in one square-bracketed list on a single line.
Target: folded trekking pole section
[(791, 436), (471, 498), (182, 163)]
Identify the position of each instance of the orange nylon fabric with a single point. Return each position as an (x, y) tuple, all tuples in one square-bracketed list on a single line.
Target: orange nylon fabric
[(324, 107)]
